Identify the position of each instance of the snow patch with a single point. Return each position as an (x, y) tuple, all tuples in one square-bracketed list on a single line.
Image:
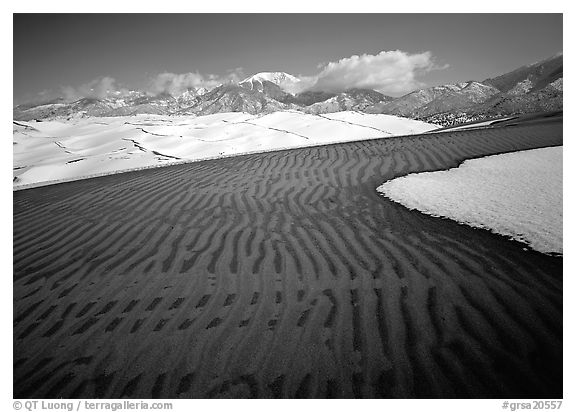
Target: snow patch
[(516, 194)]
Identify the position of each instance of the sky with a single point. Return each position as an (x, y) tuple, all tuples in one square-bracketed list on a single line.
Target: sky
[(90, 54)]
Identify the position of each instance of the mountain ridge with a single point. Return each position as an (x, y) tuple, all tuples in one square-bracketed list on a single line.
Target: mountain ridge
[(534, 87)]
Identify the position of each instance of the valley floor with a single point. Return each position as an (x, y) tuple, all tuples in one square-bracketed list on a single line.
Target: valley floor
[(282, 274)]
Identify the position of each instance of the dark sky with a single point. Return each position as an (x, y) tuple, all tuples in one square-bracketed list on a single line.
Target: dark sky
[(52, 51)]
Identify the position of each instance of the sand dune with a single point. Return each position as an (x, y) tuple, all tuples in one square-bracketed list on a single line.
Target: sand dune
[(54, 151), (281, 274)]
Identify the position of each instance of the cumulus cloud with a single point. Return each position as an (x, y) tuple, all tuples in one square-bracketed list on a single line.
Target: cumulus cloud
[(235, 75), (304, 83), (393, 72), (99, 88), (175, 84)]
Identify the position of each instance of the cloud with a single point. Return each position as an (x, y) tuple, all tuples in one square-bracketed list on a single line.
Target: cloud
[(236, 75), (393, 72), (304, 83), (99, 88), (175, 84), (178, 83)]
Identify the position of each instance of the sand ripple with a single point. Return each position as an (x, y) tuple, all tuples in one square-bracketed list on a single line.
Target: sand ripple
[(281, 274)]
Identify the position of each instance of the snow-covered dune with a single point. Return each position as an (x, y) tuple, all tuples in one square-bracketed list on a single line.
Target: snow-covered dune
[(515, 194), (386, 123), (56, 151)]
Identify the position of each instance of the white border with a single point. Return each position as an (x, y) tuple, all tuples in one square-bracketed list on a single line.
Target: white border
[(302, 6)]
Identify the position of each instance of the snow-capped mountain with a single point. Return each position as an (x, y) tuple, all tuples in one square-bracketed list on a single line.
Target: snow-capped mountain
[(537, 87), (437, 99), (284, 81), (269, 89), (235, 98), (349, 100), (191, 96)]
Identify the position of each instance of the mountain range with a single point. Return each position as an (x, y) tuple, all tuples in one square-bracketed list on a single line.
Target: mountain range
[(531, 88)]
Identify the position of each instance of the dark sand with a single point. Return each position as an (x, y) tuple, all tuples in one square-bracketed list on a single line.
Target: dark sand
[(281, 274)]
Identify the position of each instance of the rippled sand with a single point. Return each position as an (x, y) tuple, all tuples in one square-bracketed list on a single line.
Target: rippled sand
[(282, 274)]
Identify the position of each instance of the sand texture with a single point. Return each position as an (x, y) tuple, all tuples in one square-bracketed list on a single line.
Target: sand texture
[(283, 274)]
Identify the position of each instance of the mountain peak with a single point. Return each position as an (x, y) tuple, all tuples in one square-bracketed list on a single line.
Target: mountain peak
[(285, 81), (274, 77)]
